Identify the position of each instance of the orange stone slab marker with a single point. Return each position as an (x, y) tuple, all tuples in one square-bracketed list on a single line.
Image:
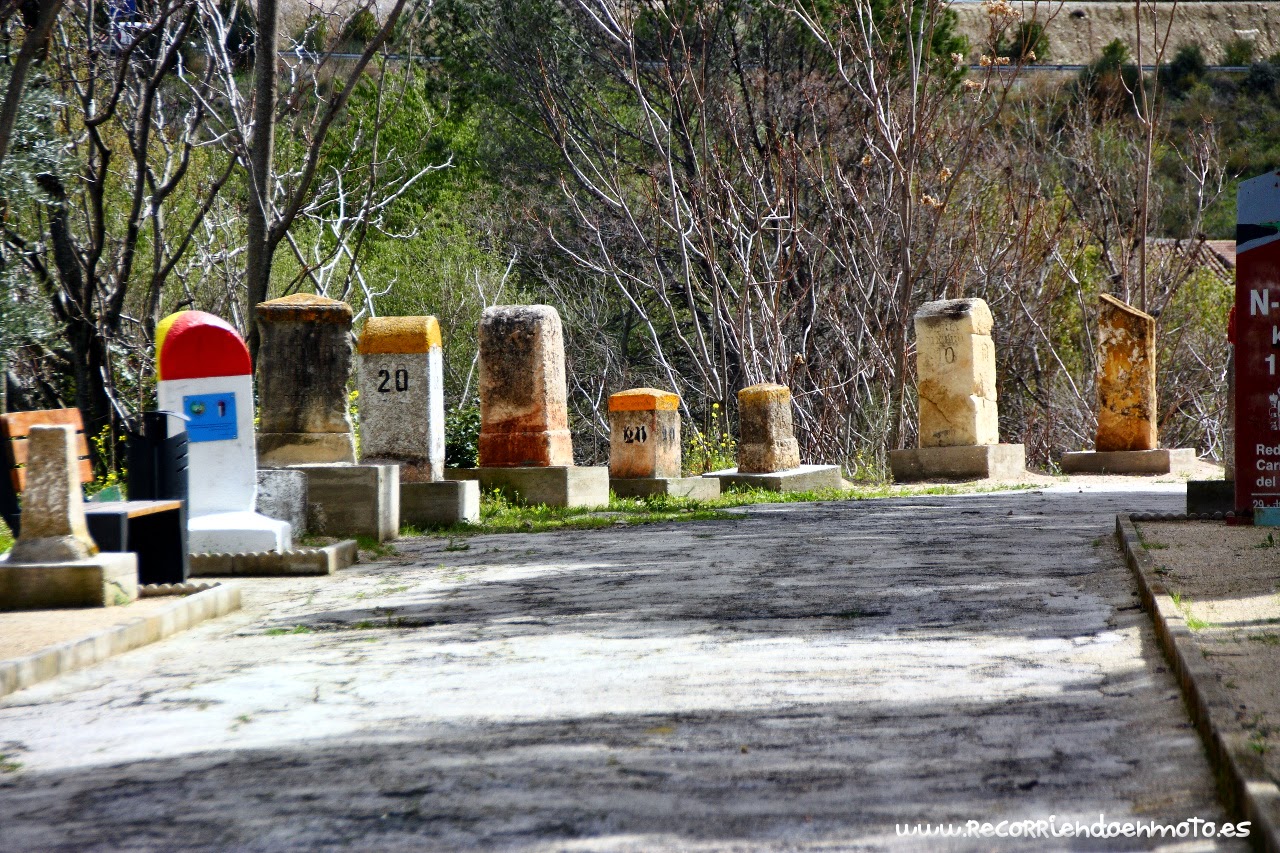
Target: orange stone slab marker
[(1126, 377), (644, 434)]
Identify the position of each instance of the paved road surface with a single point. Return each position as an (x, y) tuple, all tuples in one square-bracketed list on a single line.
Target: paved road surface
[(804, 678)]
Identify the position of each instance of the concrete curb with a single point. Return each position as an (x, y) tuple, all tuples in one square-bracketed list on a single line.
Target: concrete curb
[(1250, 793), (56, 660)]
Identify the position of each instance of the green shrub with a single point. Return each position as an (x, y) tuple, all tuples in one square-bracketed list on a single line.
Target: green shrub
[(1238, 51), (462, 437), (361, 28)]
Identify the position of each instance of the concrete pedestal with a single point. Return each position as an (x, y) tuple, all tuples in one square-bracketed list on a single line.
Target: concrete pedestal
[(805, 478), (282, 495), (697, 488), (972, 462), (1206, 497), (440, 503), (237, 533), (353, 500), (303, 561), (553, 486), (103, 580), (1129, 462)]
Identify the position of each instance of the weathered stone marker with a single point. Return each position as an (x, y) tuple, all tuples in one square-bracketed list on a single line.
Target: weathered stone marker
[(303, 367), (401, 396), (54, 562), (766, 437), (525, 449), (1257, 329), (401, 403), (956, 374), (1126, 439), (956, 386), (768, 454), (1126, 377), (524, 416), (645, 450), (204, 375)]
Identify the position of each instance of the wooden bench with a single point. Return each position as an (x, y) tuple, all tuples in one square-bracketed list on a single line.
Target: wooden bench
[(154, 530)]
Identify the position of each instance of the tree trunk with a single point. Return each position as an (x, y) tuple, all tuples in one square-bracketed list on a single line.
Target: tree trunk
[(258, 250)]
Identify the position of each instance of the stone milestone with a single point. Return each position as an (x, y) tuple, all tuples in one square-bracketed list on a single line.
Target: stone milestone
[(1126, 377), (1126, 441), (956, 374), (768, 454), (303, 366), (53, 525), (959, 431), (54, 563), (766, 441), (401, 404), (524, 416), (644, 434), (401, 396), (645, 450), (203, 373), (525, 449)]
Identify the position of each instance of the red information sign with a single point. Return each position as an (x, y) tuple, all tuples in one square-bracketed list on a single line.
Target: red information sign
[(1257, 337)]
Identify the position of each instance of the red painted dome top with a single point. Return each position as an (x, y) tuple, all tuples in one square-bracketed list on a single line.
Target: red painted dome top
[(198, 345)]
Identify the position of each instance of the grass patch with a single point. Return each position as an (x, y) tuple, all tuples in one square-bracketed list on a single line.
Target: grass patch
[(1266, 639), (1194, 623), (1269, 542), (280, 632), (498, 514), (9, 765), (1154, 546), (6, 538)]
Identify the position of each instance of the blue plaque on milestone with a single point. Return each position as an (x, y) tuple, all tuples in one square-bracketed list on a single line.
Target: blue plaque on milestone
[(210, 417)]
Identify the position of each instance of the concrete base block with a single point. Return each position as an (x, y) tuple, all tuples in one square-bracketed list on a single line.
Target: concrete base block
[(237, 532), (282, 495), (303, 561), (103, 580), (806, 478), (353, 500), (440, 503), (1129, 461), (1205, 497), (972, 462), (697, 488), (559, 486)]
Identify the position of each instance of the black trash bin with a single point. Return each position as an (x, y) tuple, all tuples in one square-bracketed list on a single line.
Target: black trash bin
[(149, 524)]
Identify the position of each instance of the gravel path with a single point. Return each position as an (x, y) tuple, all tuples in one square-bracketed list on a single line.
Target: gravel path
[(804, 678)]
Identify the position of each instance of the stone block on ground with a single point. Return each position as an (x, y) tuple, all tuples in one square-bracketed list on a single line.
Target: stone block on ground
[(696, 488), (53, 528), (282, 495), (401, 397), (440, 504), (1139, 462), (802, 478), (237, 532), (978, 462), (766, 437), (102, 580), (1206, 497), (353, 500), (304, 362), (564, 486), (956, 374), (524, 415), (1126, 378)]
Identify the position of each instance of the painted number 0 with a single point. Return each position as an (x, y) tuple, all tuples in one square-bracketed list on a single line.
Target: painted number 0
[(401, 380)]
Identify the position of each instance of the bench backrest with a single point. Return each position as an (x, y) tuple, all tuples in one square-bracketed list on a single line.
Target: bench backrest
[(14, 428)]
